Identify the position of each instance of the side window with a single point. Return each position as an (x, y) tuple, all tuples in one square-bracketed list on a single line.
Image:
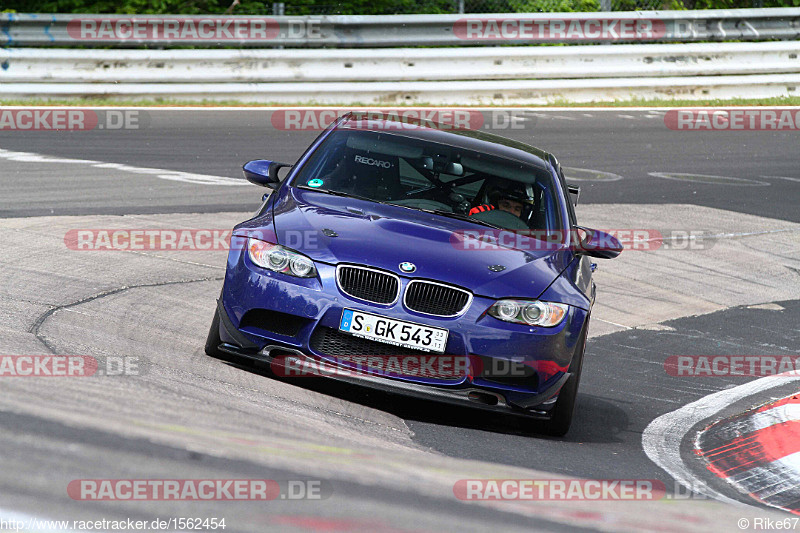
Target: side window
[(573, 219), (324, 161)]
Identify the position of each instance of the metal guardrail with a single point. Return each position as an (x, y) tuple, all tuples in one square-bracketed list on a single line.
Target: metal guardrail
[(346, 31), (442, 93), (49, 66), (439, 73)]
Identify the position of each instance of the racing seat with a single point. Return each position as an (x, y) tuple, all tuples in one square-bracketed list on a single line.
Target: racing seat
[(376, 176)]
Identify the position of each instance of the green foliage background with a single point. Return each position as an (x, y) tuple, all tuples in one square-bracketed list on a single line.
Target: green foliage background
[(362, 7)]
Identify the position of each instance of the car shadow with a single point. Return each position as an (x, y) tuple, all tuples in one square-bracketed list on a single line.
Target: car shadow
[(596, 419)]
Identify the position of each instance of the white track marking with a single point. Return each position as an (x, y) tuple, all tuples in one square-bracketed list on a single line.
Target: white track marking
[(781, 178), (791, 461), (776, 415), (765, 482), (613, 323), (758, 421), (788, 466), (708, 179), (170, 175), (774, 484), (767, 307), (589, 174), (662, 439)]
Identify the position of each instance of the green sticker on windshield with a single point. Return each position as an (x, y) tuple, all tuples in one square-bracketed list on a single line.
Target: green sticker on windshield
[(315, 183)]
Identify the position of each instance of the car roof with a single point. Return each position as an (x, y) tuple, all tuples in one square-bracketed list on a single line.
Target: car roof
[(479, 141)]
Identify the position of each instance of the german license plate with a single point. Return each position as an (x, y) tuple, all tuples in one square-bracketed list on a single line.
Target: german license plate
[(391, 331)]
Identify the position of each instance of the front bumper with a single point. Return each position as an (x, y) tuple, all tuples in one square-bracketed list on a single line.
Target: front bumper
[(536, 406), (317, 303)]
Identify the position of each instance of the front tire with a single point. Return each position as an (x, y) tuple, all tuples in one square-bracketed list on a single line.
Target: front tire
[(213, 341), (564, 409)]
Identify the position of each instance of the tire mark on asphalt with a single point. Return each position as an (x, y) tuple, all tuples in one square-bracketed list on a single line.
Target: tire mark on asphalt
[(50, 312), (701, 269), (40, 320)]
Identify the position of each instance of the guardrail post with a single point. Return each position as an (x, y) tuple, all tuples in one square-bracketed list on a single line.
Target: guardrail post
[(605, 5), (461, 6), (278, 9)]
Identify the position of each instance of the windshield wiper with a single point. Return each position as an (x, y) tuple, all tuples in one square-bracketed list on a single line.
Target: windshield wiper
[(340, 193), (459, 216)]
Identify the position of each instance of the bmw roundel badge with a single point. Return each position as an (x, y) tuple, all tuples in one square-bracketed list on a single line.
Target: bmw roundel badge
[(407, 267)]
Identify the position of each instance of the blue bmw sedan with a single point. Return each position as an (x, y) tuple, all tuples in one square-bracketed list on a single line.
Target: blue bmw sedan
[(438, 263)]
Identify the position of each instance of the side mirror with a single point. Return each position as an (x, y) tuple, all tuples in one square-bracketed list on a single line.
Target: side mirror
[(263, 172), (598, 243), (574, 193)]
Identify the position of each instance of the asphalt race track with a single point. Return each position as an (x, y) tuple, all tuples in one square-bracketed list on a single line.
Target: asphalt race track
[(631, 144), (382, 463)]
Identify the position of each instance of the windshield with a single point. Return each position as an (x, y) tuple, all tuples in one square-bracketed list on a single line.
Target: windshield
[(443, 179)]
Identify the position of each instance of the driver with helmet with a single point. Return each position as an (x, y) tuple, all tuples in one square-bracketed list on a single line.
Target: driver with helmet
[(512, 197)]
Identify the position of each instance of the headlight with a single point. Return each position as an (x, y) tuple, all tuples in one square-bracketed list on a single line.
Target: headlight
[(529, 312), (279, 259)]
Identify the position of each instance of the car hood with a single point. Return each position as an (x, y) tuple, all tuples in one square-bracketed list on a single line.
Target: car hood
[(383, 236)]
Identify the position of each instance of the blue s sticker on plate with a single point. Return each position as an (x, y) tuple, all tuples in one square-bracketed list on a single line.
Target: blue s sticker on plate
[(315, 183)]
